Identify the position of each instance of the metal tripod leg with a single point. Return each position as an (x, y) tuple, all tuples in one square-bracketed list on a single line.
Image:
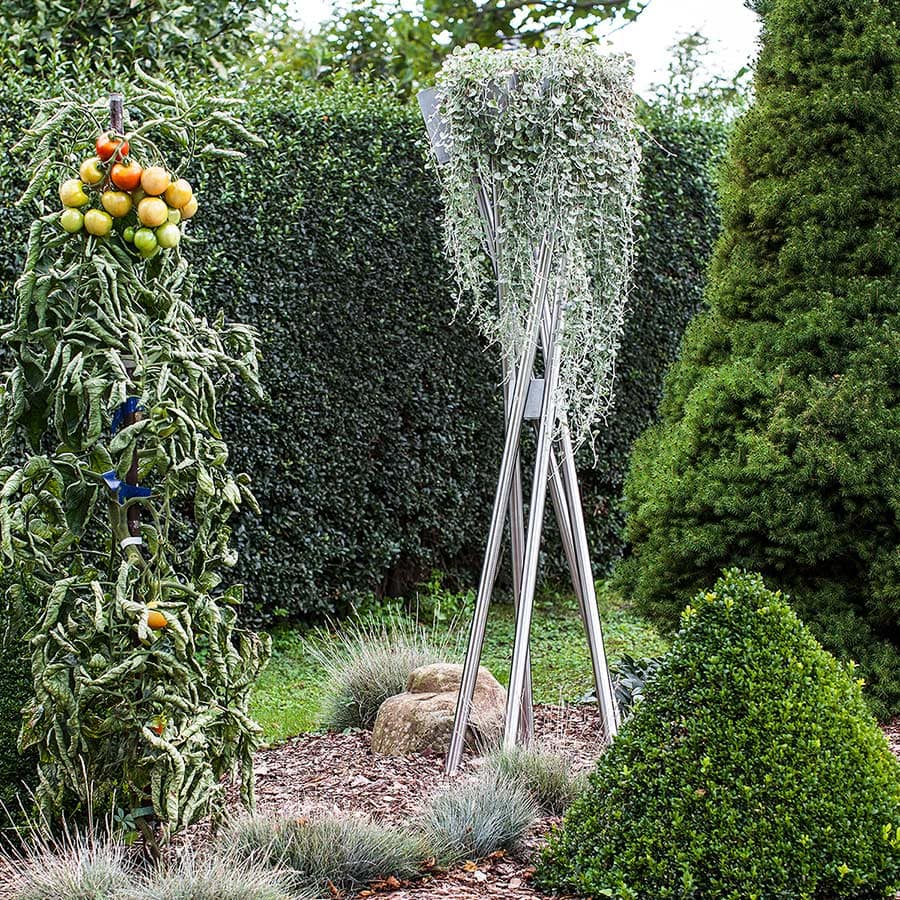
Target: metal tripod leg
[(606, 702), (498, 516), (533, 542), (517, 542), (570, 516)]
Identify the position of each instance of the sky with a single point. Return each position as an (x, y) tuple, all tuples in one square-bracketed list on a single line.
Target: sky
[(731, 28)]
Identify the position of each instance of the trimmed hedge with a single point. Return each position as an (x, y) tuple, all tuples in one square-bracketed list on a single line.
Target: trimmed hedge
[(376, 458), (15, 691), (752, 768)]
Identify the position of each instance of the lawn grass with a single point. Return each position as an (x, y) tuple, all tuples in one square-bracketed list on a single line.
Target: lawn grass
[(286, 698)]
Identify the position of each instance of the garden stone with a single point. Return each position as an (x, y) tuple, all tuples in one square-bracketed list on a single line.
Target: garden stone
[(422, 717)]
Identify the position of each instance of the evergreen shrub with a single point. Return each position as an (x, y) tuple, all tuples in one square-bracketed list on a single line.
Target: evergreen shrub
[(779, 445), (752, 768)]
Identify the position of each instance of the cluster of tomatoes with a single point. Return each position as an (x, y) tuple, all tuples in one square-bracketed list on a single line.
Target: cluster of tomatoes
[(148, 202)]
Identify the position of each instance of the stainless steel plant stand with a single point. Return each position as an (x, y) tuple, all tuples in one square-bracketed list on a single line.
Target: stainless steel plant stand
[(528, 398)]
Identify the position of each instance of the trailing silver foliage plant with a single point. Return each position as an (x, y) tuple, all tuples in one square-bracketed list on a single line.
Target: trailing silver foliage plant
[(551, 135), (151, 714)]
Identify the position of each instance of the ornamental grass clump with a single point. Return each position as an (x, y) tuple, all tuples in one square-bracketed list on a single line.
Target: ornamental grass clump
[(473, 819), (320, 853), (368, 661), (546, 774), (72, 866), (751, 768), (216, 876)]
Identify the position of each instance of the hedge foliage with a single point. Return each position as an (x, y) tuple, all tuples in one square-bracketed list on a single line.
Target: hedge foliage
[(376, 458), (16, 689), (779, 446), (675, 230), (752, 768)]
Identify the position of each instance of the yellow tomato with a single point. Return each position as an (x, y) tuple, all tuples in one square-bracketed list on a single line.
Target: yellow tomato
[(189, 208), (178, 193), (90, 170), (155, 180), (71, 193), (97, 222), (71, 220), (116, 203), (152, 211)]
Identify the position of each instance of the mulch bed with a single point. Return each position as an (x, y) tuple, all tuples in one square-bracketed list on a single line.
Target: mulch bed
[(338, 773)]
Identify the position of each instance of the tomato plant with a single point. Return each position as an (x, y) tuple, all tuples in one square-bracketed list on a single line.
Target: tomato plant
[(141, 674)]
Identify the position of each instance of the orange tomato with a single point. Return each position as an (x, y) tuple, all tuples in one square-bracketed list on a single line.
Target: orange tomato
[(156, 620), (126, 175), (152, 211), (155, 180), (189, 208), (178, 193), (107, 146)]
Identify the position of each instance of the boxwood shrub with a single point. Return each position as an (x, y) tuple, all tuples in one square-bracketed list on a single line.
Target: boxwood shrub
[(752, 768), (376, 456)]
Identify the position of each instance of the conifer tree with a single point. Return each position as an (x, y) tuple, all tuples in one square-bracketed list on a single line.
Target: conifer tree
[(779, 442)]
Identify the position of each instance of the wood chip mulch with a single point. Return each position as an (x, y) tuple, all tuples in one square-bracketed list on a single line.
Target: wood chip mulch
[(338, 773), (316, 774)]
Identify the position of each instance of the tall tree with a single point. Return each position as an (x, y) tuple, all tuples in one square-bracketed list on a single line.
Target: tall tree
[(46, 35), (689, 88), (779, 445), (405, 44)]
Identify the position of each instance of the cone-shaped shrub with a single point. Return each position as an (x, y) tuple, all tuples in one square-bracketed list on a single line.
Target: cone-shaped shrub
[(752, 768), (779, 445)]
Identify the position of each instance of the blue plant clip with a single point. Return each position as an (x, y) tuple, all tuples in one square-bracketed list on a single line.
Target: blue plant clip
[(124, 490), (130, 406)]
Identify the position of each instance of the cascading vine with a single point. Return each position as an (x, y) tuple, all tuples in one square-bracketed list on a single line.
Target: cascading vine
[(551, 135), (116, 497)]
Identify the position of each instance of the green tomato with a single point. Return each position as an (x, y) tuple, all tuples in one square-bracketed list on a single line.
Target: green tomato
[(71, 220), (145, 240), (149, 254), (174, 216), (128, 234), (168, 235)]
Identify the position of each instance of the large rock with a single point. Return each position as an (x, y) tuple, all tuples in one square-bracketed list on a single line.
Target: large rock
[(422, 717)]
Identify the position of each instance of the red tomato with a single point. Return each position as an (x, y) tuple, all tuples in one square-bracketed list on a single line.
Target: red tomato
[(107, 145), (126, 176)]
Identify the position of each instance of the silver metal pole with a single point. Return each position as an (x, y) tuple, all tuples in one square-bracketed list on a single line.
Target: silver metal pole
[(606, 701), (517, 552), (490, 213), (498, 516), (535, 523), (575, 545), (561, 509)]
